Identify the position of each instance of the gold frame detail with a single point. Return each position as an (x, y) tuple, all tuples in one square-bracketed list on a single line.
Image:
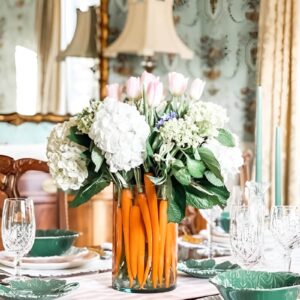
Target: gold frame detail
[(103, 61), (17, 119), (103, 23)]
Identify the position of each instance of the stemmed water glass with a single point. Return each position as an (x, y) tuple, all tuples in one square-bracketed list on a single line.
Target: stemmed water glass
[(210, 215), (246, 233), (18, 229), (285, 227)]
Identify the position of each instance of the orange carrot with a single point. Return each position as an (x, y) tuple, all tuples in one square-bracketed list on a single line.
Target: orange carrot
[(126, 203), (114, 270), (134, 238), (168, 254), (142, 202), (118, 239), (174, 251), (153, 208), (141, 251), (163, 221)]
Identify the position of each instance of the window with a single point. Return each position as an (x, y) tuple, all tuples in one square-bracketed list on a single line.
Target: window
[(79, 82), (26, 80)]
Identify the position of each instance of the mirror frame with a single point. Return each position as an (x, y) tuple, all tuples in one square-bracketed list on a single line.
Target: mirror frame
[(102, 34)]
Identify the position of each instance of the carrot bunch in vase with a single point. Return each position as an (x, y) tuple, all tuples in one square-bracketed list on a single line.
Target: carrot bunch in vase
[(149, 241), (147, 140)]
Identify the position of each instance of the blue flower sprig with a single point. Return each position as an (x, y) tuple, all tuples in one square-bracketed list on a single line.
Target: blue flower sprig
[(165, 118)]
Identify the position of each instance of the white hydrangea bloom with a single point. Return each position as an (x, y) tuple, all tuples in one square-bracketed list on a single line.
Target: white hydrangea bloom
[(202, 120), (229, 158), (66, 166), (183, 132), (208, 117), (86, 117), (120, 131)]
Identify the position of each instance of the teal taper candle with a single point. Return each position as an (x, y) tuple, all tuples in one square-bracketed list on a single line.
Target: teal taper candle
[(278, 167), (258, 138)]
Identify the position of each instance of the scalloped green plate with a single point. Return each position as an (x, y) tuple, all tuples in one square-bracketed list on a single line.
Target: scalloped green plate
[(257, 285), (36, 289), (205, 268)]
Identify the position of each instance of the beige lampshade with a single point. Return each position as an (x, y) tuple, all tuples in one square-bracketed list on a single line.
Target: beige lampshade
[(149, 29), (83, 43)]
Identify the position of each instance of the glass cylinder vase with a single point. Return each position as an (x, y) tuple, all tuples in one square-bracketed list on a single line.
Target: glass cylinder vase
[(144, 243)]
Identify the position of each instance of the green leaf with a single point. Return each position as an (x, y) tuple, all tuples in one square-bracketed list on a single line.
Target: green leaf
[(197, 188), (89, 190), (149, 148), (211, 162), (176, 201), (85, 155), (79, 138), (196, 154), (213, 179), (199, 202), (97, 158), (156, 143), (195, 167), (219, 191), (177, 164), (183, 176), (226, 138), (201, 197)]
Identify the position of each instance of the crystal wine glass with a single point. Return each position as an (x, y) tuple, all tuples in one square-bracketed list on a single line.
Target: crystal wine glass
[(210, 215), (18, 229), (285, 226), (246, 234)]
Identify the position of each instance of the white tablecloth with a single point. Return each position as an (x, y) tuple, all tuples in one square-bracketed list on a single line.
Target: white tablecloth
[(98, 286)]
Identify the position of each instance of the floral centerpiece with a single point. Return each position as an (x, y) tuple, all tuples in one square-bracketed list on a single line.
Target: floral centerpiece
[(162, 152)]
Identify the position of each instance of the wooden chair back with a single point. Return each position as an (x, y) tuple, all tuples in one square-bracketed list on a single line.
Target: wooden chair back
[(246, 168), (24, 178)]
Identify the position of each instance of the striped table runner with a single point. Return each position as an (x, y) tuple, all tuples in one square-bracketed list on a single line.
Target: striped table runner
[(98, 286)]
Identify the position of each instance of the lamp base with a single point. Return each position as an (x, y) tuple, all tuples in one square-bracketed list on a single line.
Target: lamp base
[(148, 63)]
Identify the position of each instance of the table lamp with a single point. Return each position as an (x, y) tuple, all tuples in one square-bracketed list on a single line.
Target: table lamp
[(149, 29)]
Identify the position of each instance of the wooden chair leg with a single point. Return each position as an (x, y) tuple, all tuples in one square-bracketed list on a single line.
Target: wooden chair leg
[(63, 210)]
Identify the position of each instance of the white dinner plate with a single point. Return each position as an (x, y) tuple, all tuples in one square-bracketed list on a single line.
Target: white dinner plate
[(52, 263), (71, 254)]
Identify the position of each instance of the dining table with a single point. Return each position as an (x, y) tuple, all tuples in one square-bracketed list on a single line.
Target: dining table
[(98, 285), (95, 280)]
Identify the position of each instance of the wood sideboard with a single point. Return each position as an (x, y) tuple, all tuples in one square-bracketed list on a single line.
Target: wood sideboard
[(93, 219)]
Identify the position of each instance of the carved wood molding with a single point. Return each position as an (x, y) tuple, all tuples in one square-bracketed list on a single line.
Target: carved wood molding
[(17, 119)]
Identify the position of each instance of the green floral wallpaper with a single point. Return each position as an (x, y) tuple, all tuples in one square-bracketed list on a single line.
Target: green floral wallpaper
[(223, 35)]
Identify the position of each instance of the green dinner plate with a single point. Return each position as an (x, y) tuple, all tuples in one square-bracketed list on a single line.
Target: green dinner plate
[(205, 268), (257, 285), (36, 289)]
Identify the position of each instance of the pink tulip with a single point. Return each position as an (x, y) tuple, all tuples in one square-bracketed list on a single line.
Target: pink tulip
[(197, 88), (146, 79), (155, 93), (133, 87), (177, 83), (114, 91)]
